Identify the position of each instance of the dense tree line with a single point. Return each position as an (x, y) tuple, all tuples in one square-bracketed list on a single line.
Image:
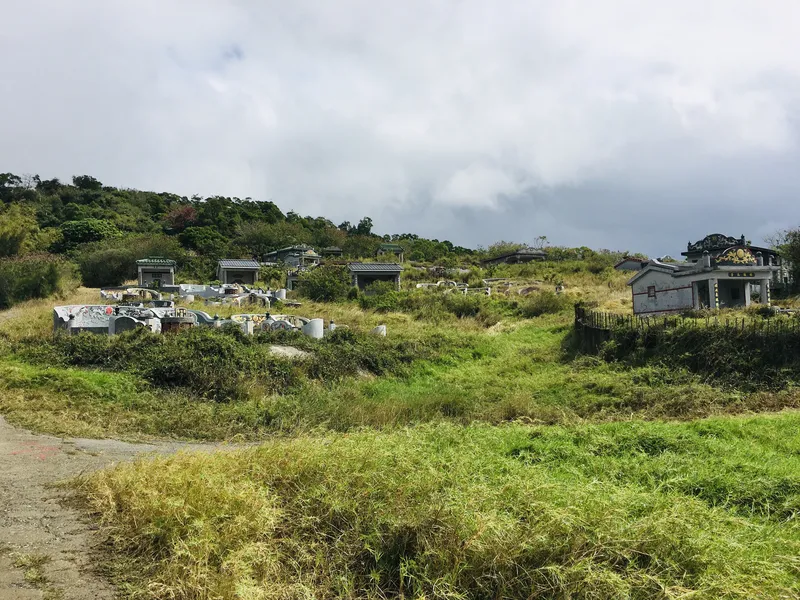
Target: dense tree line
[(104, 230)]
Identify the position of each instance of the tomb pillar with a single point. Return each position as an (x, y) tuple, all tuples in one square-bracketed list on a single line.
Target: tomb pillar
[(765, 299), (695, 296), (713, 293), (248, 325)]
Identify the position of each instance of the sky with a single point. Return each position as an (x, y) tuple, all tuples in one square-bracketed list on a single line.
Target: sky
[(635, 125)]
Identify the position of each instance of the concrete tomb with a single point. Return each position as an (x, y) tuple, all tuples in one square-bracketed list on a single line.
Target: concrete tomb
[(156, 271), (364, 274), (723, 281), (238, 271)]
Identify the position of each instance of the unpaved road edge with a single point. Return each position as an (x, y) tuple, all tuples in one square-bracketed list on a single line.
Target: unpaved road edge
[(37, 525)]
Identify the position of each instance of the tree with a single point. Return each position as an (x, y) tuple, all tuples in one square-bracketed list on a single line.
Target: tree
[(206, 240), (502, 247), (180, 217), (9, 186), (364, 227), (107, 266), (777, 240), (86, 182), (48, 186), (539, 241), (17, 229), (790, 251), (328, 236), (260, 238), (361, 246), (85, 231), (220, 213), (112, 261)]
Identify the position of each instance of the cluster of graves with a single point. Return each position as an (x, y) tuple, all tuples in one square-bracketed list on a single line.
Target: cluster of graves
[(454, 287), (157, 272), (151, 305), (223, 294), (162, 316)]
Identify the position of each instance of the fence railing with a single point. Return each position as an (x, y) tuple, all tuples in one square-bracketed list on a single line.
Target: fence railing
[(595, 327)]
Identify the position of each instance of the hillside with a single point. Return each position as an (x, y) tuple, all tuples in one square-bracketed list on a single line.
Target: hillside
[(105, 229), (473, 452)]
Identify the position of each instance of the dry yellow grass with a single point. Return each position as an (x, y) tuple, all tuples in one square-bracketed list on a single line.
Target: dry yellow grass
[(35, 317)]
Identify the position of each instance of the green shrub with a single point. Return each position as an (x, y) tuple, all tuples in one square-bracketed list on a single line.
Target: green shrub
[(18, 229), (543, 303), (274, 277), (112, 262), (381, 296), (752, 358), (380, 288), (326, 283), (225, 365), (84, 231), (107, 267), (34, 276), (383, 303), (463, 305)]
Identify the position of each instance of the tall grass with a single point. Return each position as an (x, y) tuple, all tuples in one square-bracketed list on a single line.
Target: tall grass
[(703, 510), (34, 276)]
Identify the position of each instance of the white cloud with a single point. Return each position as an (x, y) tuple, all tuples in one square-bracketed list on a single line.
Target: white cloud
[(397, 108)]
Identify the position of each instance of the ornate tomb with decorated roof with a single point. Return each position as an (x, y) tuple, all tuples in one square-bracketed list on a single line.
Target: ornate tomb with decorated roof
[(719, 278)]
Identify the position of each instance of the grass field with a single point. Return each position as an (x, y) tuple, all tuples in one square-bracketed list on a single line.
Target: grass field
[(626, 510), (519, 369), (459, 458)]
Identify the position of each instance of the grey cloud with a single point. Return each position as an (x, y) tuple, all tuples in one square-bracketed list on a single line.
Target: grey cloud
[(616, 124)]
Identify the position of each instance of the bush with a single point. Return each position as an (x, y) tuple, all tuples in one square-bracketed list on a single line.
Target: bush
[(226, 365), (380, 296), (383, 303), (17, 230), (34, 276), (599, 263), (543, 303), (107, 267), (84, 231), (113, 262), (462, 305), (753, 358), (272, 276), (326, 283), (380, 288)]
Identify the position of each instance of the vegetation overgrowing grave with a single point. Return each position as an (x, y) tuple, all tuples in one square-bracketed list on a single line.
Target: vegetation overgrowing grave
[(226, 365), (752, 350), (456, 371)]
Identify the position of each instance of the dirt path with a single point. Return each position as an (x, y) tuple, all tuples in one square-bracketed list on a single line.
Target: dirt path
[(46, 547)]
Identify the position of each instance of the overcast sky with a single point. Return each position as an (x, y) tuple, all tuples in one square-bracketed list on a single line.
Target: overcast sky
[(626, 124)]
